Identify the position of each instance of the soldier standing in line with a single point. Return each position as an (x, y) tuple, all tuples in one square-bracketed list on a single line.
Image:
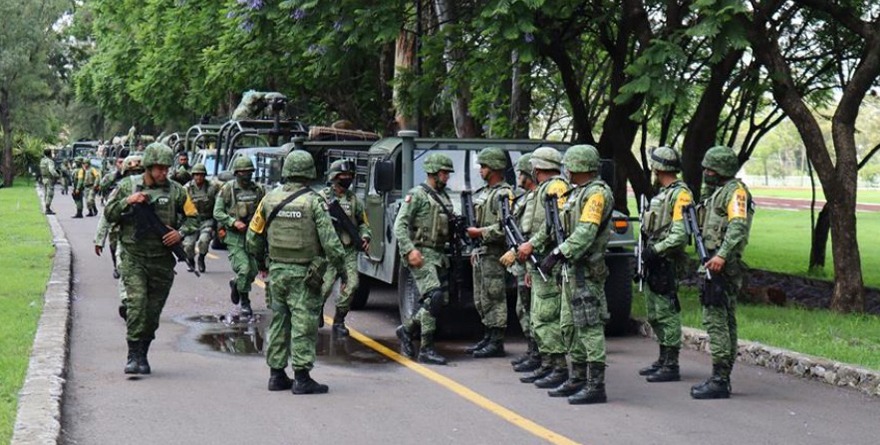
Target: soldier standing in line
[(147, 266), (725, 229), (292, 226), (666, 236), (90, 178), (548, 312), (65, 176), (585, 219), (234, 207), (490, 293), (49, 175), (340, 177), (182, 173), (422, 229), (79, 185), (203, 194)]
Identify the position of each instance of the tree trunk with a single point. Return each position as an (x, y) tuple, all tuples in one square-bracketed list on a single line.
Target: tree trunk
[(465, 125), (848, 285), (404, 64), (386, 79), (6, 127), (819, 240), (520, 98)]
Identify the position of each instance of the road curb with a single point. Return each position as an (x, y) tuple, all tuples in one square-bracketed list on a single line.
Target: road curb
[(784, 361), (38, 420)]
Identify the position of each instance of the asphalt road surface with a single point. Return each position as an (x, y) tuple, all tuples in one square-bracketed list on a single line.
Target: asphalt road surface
[(209, 383)]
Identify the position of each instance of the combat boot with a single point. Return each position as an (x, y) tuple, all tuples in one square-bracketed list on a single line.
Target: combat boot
[(339, 329), (557, 376), (480, 344), (49, 211), (406, 344), (543, 370), (575, 382), (143, 364), (594, 391), (715, 387), (427, 354), (533, 348), (246, 310), (303, 384), (495, 346), (668, 371), (190, 264), (134, 350), (233, 292), (532, 362), (201, 263), (123, 312), (115, 273), (278, 380), (79, 213), (653, 367)]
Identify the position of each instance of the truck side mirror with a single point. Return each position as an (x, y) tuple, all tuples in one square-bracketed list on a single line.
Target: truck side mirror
[(383, 176)]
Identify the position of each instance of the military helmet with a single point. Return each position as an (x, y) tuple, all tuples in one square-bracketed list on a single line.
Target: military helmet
[(722, 160), (199, 169), (665, 159), (436, 162), (299, 163), (546, 158), (340, 166), (132, 163), (492, 157), (581, 159), (78, 159), (243, 163), (524, 164), (158, 153)]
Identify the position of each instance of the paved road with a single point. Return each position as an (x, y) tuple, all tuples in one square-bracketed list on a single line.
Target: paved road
[(199, 395)]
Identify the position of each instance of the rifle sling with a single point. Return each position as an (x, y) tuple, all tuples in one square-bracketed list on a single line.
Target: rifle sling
[(436, 197), (283, 203)]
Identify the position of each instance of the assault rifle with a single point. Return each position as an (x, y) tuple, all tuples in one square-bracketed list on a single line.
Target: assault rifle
[(692, 227), (147, 222), (554, 225), (514, 236), (642, 242), (342, 222), (469, 218)]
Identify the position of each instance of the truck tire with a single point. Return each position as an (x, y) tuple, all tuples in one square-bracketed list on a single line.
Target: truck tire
[(362, 294), (407, 294), (618, 293)]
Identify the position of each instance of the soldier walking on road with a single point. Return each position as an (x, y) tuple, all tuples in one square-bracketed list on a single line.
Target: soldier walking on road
[(725, 228), (422, 229), (65, 176), (203, 194), (234, 207), (50, 176), (340, 177), (490, 290), (666, 236), (79, 185), (292, 226), (147, 266)]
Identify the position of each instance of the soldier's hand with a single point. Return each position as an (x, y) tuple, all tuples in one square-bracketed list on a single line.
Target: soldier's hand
[(171, 238), (528, 280), (137, 198), (240, 226), (474, 232), (98, 250), (525, 249), (365, 244), (508, 258), (415, 259), (715, 264)]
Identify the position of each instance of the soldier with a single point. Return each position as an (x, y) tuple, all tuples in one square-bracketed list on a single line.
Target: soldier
[(547, 311), (666, 237), (109, 181), (147, 267), (233, 209), (79, 185), (340, 176), (49, 175), (725, 229), (490, 293), (65, 176), (524, 205), (585, 218), (88, 181), (422, 230), (182, 173), (203, 194), (291, 224)]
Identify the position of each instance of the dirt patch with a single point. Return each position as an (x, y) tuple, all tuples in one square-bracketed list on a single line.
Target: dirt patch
[(777, 288)]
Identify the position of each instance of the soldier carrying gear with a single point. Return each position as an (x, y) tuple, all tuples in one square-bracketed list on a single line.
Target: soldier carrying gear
[(340, 177), (203, 194), (234, 207), (293, 240), (490, 295), (49, 176), (182, 174), (84, 179), (422, 230)]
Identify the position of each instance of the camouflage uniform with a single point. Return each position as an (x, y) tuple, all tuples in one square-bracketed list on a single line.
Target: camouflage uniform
[(204, 198), (92, 184), (65, 177), (49, 175), (301, 243), (182, 174), (79, 186)]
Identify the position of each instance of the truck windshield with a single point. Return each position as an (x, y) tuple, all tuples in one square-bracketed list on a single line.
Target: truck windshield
[(456, 180)]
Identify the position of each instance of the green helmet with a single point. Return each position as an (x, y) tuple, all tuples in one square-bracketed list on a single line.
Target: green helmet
[(722, 160), (243, 163), (524, 164), (299, 163), (340, 166), (492, 157), (546, 158), (199, 169), (132, 164), (78, 160), (436, 162), (158, 153), (581, 159), (665, 159)]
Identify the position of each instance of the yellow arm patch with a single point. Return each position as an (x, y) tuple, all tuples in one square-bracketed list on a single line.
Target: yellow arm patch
[(558, 188), (364, 217), (258, 224), (684, 198), (189, 208), (738, 207), (594, 209)]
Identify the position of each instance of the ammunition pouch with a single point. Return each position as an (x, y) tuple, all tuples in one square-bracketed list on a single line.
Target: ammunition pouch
[(315, 275), (712, 292), (661, 276), (585, 307)]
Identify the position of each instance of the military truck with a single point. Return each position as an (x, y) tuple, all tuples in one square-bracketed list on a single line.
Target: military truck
[(393, 165)]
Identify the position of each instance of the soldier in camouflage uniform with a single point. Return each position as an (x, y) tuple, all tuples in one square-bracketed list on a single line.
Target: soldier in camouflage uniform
[(49, 175), (725, 228), (79, 185), (490, 293), (234, 207), (65, 176), (292, 226), (109, 181), (182, 173), (340, 177), (92, 186), (666, 236), (203, 194), (422, 229), (551, 320), (147, 267)]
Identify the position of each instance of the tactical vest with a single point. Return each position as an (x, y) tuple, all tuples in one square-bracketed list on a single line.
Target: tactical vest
[(523, 209), (244, 201), (202, 199), (92, 177), (347, 202), (164, 201), (574, 207), (658, 217), (487, 207), (716, 220), (536, 218), (46, 168), (293, 235), (431, 228)]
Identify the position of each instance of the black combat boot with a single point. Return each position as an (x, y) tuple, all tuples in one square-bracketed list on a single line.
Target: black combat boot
[(190, 264), (49, 211), (201, 263), (339, 329), (495, 346), (427, 354), (115, 273), (532, 362), (79, 213), (668, 371), (557, 376), (134, 351), (533, 349), (233, 292), (278, 380), (123, 312), (715, 387), (653, 367), (480, 344), (303, 384), (576, 382), (406, 344), (594, 391), (143, 364), (246, 310), (543, 370)]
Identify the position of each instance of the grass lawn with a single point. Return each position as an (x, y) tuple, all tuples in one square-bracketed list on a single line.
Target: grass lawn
[(25, 258), (863, 196)]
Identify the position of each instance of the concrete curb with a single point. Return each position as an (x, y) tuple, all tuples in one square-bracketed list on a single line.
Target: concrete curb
[(39, 402), (786, 362)]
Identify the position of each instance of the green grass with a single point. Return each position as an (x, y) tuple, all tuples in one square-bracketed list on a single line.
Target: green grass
[(25, 258), (863, 196)]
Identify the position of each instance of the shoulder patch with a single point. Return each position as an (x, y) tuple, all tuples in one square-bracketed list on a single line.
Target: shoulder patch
[(684, 198), (737, 207), (258, 224), (593, 210)]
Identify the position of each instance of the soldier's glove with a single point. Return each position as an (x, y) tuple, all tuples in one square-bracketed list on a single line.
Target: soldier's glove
[(507, 259), (551, 260)]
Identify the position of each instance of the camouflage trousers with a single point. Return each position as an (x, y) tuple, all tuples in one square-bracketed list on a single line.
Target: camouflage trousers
[(434, 274), (78, 200), (524, 305), (243, 264), (343, 298), (202, 238), (584, 332), (720, 321), (48, 191), (120, 284), (664, 317), (147, 282), (490, 293), (64, 184), (293, 332), (90, 196), (546, 311)]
